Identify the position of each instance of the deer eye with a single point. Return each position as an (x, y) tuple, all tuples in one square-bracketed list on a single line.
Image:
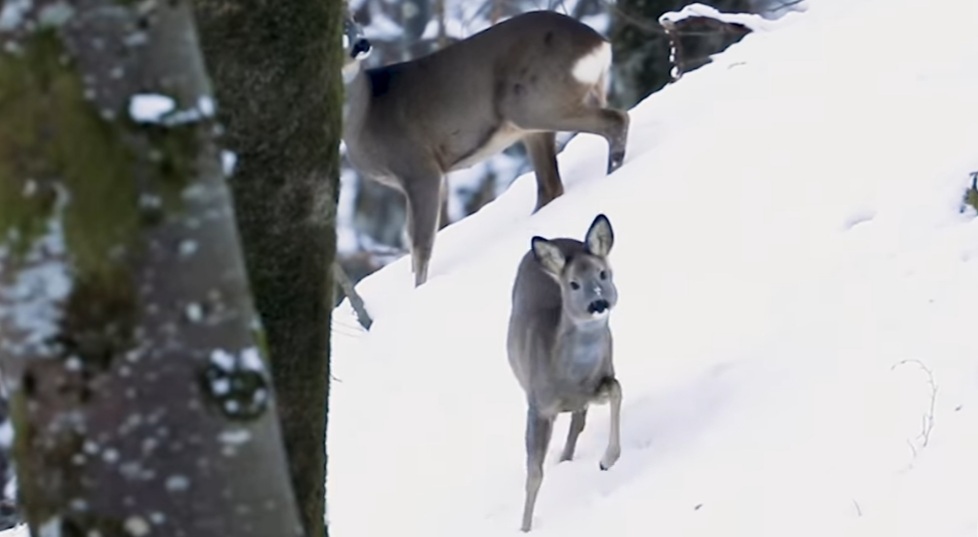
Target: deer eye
[(575, 286), (603, 275)]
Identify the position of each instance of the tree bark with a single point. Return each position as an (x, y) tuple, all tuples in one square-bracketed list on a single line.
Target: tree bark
[(641, 47), (140, 400), (276, 69)]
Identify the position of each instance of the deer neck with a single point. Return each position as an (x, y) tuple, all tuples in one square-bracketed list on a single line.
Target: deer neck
[(357, 102), (582, 344)]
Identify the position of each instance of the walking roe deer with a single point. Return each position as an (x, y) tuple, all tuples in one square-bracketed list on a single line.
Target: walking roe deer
[(560, 346), (408, 124)]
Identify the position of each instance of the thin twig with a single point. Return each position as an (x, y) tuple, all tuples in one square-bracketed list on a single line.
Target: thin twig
[(351, 293), (783, 5), (927, 420)]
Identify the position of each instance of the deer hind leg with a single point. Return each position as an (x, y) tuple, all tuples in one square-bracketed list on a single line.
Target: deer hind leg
[(542, 148), (423, 192), (538, 432), (578, 419), (443, 219), (608, 123)]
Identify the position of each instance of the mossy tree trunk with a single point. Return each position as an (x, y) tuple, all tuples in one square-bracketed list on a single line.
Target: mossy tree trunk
[(276, 70), (140, 399)]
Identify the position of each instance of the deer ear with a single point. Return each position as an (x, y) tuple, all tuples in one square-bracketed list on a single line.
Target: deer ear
[(600, 237), (548, 254)]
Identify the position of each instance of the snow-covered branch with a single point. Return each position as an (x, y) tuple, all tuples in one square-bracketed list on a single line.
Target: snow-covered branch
[(748, 20)]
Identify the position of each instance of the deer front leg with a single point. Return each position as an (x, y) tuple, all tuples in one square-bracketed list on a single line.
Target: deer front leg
[(538, 433), (423, 192), (612, 388), (443, 219), (578, 419)]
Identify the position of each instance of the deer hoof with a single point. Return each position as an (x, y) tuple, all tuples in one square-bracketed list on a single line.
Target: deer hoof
[(608, 460), (615, 161)]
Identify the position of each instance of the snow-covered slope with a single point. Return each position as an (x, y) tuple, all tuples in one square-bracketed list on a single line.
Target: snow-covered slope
[(797, 278)]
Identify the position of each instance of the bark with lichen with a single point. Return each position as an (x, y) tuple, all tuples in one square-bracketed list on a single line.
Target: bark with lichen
[(276, 69), (140, 399)]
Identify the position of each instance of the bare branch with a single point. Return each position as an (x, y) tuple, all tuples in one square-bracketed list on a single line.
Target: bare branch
[(350, 291), (927, 420), (784, 5)]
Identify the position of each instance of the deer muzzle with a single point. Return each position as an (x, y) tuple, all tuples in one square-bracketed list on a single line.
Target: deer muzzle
[(598, 307)]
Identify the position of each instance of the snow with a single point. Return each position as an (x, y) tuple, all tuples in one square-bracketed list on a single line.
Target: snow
[(54, 15), (136, 526), (156, 108), (749, 20), (795, 268), (6, 434), (251, 360), (229, 159), (33, 298), (235, 436), (12, 14), (795, 328), (150, 107), (17, 531), (177, 483), (222, 359)]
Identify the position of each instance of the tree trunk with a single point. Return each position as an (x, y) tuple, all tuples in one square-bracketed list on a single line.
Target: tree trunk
[(140, 401), (641, 48), (276, 70)]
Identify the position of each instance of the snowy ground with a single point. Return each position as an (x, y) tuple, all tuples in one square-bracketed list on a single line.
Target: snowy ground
[(788, 232)]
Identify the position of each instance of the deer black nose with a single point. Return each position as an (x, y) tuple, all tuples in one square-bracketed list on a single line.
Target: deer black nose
[(598, 306), (361, 45)]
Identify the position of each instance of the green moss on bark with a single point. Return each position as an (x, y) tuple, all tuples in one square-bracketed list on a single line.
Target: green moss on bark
[(26, 194), (971, 195), (276, 72), (971, 198), (51, 139), (59, 158), (54, 145)]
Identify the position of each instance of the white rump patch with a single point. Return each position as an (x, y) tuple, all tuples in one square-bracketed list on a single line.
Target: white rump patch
[(590, 68)]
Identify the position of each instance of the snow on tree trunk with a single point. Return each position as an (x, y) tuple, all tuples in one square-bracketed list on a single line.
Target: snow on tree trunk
[(276, 68), (140, 399)]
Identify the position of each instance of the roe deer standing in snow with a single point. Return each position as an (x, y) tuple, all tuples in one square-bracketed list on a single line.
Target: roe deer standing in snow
[(560, 346), (524, 79)]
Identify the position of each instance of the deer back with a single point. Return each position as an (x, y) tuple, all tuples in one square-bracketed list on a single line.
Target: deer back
[(448, 106)]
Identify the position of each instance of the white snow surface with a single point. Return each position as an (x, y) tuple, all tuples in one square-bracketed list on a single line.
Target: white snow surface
[(788, 231)]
